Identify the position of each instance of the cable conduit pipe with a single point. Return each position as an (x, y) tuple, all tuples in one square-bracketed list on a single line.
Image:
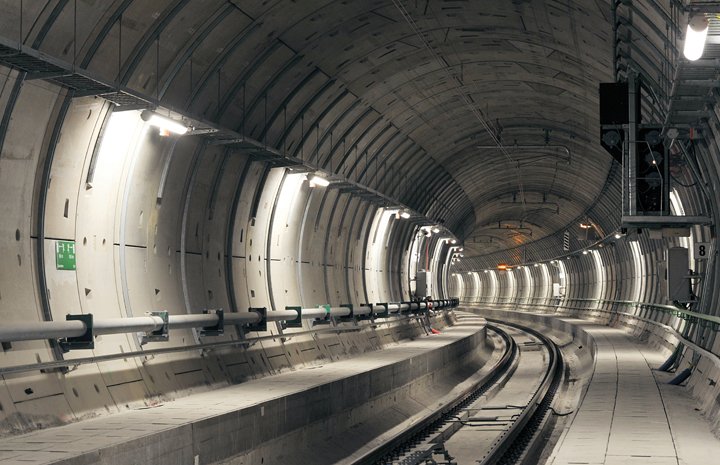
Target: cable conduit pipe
[(168, 350), (685, 374), (14, 332)]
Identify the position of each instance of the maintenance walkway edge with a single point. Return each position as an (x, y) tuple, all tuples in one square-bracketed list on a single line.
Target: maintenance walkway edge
[(628, 414), (218, 425)]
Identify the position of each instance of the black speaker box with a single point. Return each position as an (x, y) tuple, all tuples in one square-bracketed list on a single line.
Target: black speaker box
[(614, 103)]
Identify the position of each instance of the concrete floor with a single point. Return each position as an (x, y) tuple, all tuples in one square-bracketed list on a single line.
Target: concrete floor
[(629, 414), (199, 429)]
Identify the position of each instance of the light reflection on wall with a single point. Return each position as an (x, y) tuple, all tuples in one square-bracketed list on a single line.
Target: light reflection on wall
[(638, 267), (600, 275)]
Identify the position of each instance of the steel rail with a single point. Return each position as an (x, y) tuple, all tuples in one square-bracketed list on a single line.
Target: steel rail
[(424, 428), (510, 445), (502, 452)]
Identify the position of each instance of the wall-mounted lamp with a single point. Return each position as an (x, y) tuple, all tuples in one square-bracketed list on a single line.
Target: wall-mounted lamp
[(163, 122), (695, 36), (318, 181)]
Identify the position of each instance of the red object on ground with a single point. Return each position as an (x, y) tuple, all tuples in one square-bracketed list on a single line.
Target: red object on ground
[(434, 331)]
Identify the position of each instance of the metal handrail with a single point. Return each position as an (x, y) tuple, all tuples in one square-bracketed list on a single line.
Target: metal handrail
[(667, 309), (686, 315)]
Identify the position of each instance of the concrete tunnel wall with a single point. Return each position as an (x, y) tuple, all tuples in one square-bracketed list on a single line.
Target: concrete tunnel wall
[(293, 250), (175, 224), (169, 223)]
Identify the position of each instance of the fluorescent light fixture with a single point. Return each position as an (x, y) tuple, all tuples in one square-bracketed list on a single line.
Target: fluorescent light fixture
[(695, 37), (405, 215), (163, 122), (318, 181)]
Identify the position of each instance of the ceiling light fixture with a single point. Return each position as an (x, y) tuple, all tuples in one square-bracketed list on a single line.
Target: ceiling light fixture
[(163, 122), (405, 215), (453, 241), (617, 236), (584, 252), (436, 230), (695, 37), (318, 181)]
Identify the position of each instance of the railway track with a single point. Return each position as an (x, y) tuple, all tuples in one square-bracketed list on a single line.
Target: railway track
[(497, 434)]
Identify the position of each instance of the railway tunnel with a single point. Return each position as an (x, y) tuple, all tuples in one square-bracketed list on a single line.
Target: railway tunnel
[(483, 231)]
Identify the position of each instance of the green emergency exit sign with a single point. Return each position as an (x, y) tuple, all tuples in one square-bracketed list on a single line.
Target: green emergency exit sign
[(65, 253)]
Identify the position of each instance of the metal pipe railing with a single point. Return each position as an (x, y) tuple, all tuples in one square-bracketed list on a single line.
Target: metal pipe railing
[(669, 309), (14, 332), (714, 358)]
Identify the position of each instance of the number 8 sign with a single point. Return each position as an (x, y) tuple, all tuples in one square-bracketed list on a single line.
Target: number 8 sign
[(701, 250)]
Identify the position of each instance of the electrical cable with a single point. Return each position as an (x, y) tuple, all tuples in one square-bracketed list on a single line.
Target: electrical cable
[(684, 185), (561, 414)]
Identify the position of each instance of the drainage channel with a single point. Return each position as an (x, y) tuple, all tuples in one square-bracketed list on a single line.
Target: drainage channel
[(517, 437)]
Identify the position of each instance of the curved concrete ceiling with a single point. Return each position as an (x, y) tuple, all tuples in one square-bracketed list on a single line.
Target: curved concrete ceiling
[(396, 95)]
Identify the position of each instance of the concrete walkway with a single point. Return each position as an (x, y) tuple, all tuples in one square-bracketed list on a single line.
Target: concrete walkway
[(211, 426), (630, 417)]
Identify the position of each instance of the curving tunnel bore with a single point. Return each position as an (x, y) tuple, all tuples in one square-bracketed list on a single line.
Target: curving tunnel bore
[(477, 119)]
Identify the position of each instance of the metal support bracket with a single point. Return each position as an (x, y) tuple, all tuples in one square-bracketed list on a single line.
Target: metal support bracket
[(369, 316), (218, 329), (297, 322), (350, 317), (86, 341), (262, 325), (386, 313), (162, 334), (323, 321)]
